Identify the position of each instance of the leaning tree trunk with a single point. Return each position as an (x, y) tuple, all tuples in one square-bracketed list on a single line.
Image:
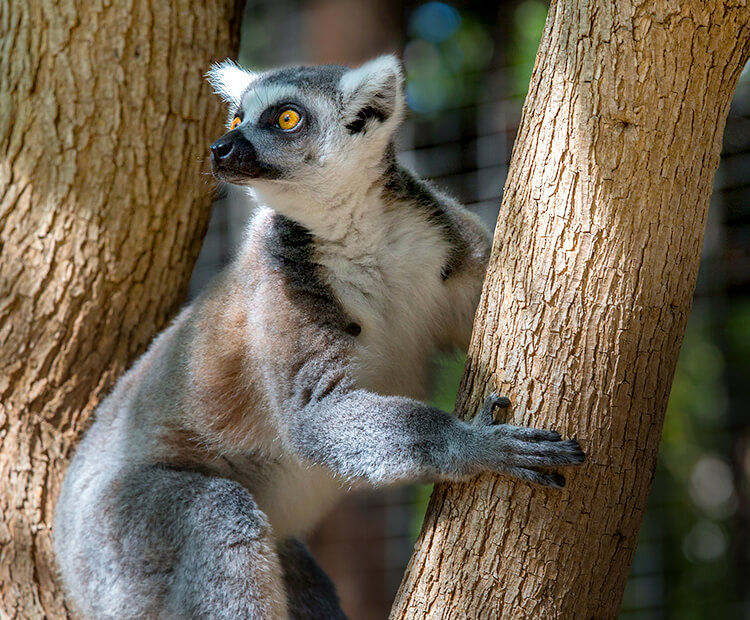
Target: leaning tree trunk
[(585, 304), (104, 122)]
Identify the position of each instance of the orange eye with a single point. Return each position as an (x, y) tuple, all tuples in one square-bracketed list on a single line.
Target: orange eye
[(237, 120), (288, 119)]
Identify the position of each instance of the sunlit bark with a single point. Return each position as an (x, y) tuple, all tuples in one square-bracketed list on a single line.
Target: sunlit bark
[(104, 124)]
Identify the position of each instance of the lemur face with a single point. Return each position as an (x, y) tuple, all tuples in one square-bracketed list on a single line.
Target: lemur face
[(305, 126)]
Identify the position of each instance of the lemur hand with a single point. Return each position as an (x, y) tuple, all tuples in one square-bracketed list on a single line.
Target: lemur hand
[(520, 450)]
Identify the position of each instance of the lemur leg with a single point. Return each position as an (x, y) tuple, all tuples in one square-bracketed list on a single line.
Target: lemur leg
[(310, 592), (188, 545)]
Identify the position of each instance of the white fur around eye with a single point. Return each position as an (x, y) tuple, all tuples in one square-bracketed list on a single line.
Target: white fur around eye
[(255, 100)]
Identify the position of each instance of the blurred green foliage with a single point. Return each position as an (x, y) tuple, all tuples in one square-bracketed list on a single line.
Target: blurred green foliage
[(528, 21), (693, 498), (445, 382), (444, 56)]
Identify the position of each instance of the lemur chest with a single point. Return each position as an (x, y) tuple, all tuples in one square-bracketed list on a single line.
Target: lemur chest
[(395, 295)]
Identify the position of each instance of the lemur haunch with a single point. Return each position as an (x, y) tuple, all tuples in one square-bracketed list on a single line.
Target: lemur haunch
[(294, 377)]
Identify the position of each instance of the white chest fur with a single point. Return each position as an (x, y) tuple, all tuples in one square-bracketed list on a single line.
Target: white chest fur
[(386, 274), (308, 493)]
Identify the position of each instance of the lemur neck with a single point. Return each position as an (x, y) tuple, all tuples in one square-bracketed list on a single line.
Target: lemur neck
[(332, 210), (335, 217), (343, 215)]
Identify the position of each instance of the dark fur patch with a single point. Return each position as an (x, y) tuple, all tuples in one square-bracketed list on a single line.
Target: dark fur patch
[(290, 248), (311, 592), (323, 79), (365, 114)]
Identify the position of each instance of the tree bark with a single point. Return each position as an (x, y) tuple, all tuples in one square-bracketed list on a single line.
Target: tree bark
[(585, 303), (105, 120)]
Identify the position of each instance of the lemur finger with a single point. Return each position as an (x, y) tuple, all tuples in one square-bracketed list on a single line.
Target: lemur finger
[(550, 459), (554, 480), (528, 433), (485, 417), (569, 450)]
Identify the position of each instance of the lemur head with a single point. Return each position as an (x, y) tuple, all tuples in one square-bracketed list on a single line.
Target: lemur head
[(306, 129)]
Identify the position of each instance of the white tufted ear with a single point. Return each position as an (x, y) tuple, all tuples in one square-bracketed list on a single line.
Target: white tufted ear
[(372, 91), (230, 81)]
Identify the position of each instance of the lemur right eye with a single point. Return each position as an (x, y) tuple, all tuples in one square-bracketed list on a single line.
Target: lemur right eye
[(288, 119), (237, 120)]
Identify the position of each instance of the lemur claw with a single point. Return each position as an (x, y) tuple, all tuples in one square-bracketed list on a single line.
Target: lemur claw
[(485, 416)]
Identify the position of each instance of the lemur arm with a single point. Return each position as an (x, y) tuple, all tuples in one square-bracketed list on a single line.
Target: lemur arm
[(391, 439), (363, 436)]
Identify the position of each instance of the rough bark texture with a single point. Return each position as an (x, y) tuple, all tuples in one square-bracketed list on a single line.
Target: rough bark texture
[(585, 304), (105, 121)]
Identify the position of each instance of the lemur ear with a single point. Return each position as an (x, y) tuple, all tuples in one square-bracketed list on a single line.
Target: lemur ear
[(230, 81), (372, 93)]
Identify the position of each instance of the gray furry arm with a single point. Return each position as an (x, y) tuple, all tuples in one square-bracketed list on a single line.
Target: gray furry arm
[(360, 435), (383, 439)]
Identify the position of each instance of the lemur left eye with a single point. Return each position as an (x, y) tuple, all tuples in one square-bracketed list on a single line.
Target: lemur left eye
[(288, 119), (237, 120)]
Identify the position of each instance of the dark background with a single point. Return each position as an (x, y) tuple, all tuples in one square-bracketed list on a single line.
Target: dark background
[(467, 68)]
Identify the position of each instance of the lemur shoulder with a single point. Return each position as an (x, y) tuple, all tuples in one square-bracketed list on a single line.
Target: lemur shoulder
[(296, 376)]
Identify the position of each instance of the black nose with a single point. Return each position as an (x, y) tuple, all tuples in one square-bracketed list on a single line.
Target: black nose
[(233, 152), (221, 149)]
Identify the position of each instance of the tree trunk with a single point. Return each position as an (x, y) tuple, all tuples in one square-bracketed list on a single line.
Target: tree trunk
[(585, 304), (105, 120)]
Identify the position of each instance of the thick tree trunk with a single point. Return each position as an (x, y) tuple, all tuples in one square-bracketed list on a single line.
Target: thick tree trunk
[(104, 123), (585, 304)]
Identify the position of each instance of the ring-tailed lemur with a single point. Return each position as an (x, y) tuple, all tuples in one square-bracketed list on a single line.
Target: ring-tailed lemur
[(295, 376)]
